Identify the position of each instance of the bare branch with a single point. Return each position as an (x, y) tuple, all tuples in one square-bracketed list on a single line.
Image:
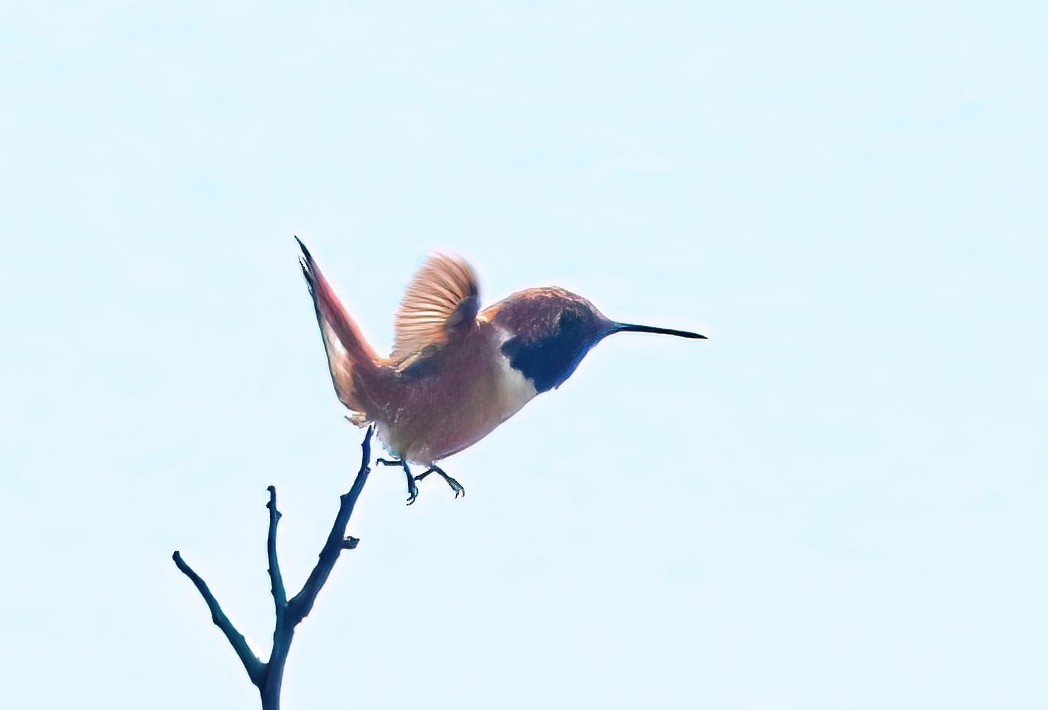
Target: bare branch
[(299, 606), (269, 676), (276, 580), (254, 667)]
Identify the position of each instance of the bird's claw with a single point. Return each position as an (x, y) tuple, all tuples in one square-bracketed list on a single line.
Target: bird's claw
[(455, 485), (412, 489)]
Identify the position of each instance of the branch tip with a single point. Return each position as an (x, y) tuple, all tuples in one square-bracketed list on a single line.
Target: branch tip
[(254, 667), (275, 577)]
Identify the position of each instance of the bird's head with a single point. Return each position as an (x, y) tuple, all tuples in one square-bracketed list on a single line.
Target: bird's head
[(549, 330)]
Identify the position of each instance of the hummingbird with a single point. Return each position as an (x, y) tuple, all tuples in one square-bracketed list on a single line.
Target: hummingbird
[(456, 372)]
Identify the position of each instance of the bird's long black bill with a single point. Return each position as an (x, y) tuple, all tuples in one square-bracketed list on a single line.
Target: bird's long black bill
[(630, 328)]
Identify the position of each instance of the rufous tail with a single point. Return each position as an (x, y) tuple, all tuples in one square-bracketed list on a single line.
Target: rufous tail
[(348, 353)]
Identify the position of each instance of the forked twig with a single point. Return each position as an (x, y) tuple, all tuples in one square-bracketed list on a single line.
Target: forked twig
[(267, 677)]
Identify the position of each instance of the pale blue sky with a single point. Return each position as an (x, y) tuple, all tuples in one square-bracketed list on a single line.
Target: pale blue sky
[(838, 501)]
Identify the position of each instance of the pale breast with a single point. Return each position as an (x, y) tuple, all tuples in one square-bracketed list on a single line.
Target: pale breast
[(454, 400), (514, 389)]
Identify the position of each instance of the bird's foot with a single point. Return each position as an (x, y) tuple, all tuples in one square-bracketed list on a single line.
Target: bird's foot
[(455, 485), (412, 488)]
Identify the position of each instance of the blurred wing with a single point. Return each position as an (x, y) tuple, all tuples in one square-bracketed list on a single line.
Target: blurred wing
[(442, 298)]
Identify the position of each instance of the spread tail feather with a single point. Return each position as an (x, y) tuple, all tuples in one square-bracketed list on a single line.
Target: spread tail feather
[(347, 351)]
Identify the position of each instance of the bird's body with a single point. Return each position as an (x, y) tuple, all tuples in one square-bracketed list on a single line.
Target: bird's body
[(455, 372), (447, 400)]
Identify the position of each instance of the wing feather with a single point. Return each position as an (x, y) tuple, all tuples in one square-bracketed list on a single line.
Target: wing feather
[(442, 297)]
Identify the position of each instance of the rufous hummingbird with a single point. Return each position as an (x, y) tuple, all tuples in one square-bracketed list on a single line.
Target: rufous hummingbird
[(455, 372)]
